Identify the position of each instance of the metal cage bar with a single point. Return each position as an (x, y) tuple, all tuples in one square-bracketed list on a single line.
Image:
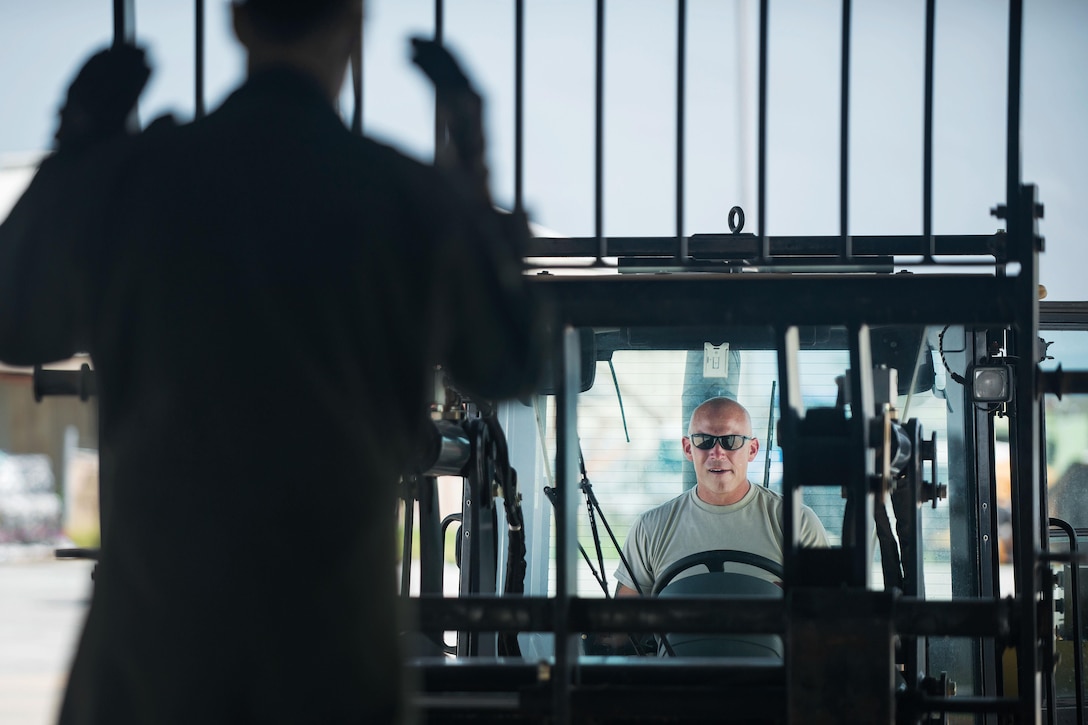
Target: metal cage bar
[(357, 64), (681, 53), (124, 21), (566, 530), (1012, 134), (844, 137), (439, 37), (927, 135), (199, 58), (1026, 423), (761, 161), (598, 149), (519, 106)]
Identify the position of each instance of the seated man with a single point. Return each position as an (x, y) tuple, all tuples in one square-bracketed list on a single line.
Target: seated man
[(723, 511)]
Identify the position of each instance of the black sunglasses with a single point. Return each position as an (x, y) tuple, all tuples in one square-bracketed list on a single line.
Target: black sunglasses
[(731, 442)]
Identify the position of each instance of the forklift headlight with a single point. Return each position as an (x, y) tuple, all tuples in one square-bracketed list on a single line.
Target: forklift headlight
[(991, 384)]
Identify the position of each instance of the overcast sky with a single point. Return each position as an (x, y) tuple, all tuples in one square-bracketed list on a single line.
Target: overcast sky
[(42, 44)]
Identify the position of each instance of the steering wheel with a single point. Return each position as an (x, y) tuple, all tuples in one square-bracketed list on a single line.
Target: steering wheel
[(715, 561)]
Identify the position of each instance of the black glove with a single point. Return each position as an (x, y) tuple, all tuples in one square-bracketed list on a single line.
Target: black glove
[(102, 96), (441, 67), (459, 108)]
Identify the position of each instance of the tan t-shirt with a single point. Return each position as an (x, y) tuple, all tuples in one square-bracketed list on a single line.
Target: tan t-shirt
[(687, 525)]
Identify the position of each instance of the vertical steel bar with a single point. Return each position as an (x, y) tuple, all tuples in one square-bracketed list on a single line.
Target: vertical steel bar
[(769, 443), (1012, 168), (124, 31), (406, 542), (357, 85), (1025, 519), (761, 161), (1026, 450), (566, 472), (927, 137), (468, 641), (439, 37), (862, 408), (430, 537), (681, 73), (198, 61), (124, 21), (790, 413), (519, 105), (908, 525), (431, 554), (844, 137), (981, 518), (598, 169)]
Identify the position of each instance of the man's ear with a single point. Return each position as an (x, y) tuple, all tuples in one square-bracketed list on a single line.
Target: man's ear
[(686, 443), (753, 449)]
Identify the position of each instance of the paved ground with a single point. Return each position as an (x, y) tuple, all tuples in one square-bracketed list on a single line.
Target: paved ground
[(42, 605)]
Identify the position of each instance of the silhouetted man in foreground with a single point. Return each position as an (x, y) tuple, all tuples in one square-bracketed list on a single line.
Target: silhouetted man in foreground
[(264, 296)]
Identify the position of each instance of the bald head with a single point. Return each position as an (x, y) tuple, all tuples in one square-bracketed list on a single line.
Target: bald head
[(720, 408)]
